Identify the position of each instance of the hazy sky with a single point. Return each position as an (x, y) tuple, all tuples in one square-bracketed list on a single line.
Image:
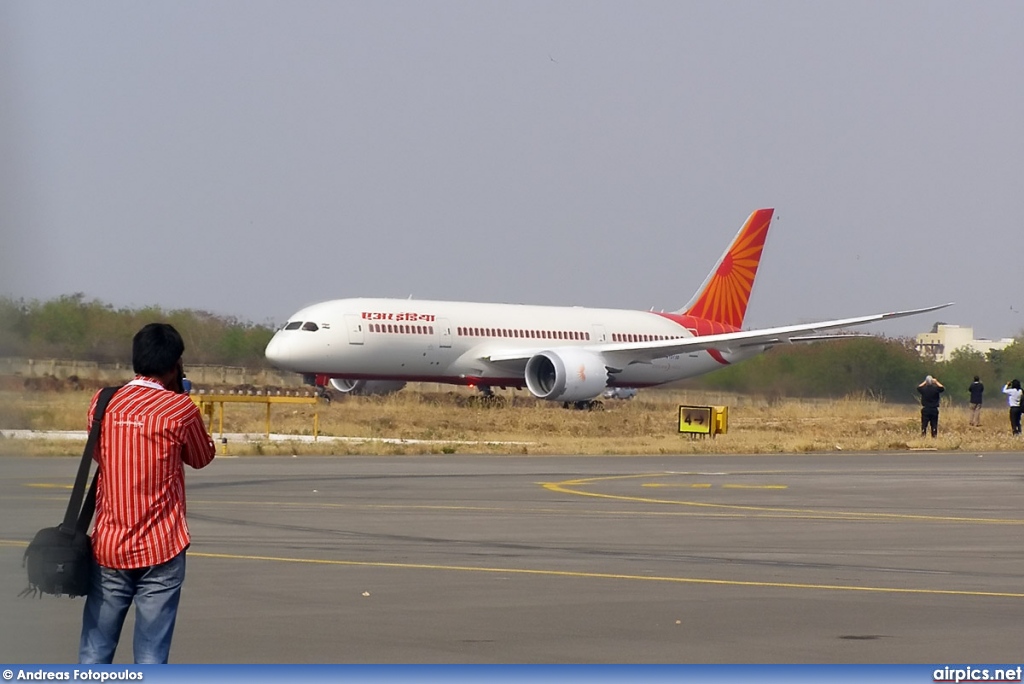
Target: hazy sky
[(249, 158)]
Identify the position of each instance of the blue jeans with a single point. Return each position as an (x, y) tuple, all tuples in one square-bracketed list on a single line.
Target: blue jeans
[(155, 590)]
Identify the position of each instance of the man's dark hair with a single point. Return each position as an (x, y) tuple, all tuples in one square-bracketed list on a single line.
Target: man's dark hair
[(156, 349)]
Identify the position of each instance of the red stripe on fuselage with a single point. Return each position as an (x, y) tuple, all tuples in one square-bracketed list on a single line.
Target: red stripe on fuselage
[(700, 327), (470, 381)]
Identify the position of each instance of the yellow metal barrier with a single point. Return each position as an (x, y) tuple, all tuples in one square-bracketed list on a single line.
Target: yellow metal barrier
[(206, 403)]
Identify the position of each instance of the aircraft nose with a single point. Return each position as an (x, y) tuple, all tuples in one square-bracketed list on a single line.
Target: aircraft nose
[(276, 351)]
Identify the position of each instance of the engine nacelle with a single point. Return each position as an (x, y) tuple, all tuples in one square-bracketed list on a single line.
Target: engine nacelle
[(364, 388), (566, 375)]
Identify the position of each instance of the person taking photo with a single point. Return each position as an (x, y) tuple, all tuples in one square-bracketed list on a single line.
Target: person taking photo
[(930, 390), (151, 430), (1014, 395)]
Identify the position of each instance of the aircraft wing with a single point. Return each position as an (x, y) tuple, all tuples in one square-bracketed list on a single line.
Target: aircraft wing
[(624, 353)]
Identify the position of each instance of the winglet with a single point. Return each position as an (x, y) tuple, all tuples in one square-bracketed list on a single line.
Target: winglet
[(725, 292)]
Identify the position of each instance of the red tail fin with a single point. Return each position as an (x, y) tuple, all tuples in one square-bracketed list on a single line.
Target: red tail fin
[(724, 295)]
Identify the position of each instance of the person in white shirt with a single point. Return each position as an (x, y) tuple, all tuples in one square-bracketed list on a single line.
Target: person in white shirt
[(1014, 395)]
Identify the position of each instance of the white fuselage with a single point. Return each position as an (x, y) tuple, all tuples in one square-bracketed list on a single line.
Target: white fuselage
[(453, 342)]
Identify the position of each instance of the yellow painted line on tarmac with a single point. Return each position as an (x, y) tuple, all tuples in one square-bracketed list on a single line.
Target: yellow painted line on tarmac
[(586, 575), (695, 485), (708, 485), (744, 486), (47, 485), (314, 505), (574, 487), (604, 575), (618, 512), (351, 506)]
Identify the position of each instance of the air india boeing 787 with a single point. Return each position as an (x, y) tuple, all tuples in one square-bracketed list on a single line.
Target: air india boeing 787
[(565, 354)]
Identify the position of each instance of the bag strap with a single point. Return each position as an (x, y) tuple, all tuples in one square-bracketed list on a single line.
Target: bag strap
[(75, 509)]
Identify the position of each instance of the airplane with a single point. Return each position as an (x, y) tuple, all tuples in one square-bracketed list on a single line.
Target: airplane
[(559, 353)]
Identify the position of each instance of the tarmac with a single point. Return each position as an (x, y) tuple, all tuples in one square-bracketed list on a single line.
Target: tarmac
[(252, 437), (811, 558)]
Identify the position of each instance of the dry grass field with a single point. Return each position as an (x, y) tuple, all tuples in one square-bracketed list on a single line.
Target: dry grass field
[(455, 420)]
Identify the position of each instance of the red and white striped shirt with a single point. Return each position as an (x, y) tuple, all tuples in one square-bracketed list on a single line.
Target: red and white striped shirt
[(148, 433)]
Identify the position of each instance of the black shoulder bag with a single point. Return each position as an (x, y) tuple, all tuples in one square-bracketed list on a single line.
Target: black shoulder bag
[(59, 559)]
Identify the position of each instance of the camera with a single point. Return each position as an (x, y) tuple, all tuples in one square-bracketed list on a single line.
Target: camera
[(180, 380)]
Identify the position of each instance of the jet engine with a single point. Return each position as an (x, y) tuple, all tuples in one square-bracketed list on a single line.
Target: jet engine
[(364, 388), (566, 375)]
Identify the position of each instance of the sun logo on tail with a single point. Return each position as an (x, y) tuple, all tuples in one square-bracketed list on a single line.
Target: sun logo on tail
[(725, 293)]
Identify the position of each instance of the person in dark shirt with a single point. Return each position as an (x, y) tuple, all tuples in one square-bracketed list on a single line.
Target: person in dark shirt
[(976, 389), (930, 390)]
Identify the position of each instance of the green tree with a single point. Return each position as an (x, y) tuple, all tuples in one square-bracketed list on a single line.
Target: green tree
[(1008, 363), (886, 368), (958, 372), (70, 327)]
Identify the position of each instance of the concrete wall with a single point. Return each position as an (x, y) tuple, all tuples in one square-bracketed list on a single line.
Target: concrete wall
[(122, 372)]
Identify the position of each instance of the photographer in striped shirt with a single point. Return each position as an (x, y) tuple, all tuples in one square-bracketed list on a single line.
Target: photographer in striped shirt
[(151, 430)]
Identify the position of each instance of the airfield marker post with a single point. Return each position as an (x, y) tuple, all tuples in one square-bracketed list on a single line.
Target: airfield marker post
[(703, 420)]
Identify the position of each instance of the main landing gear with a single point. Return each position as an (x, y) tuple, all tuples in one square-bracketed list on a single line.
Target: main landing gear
[(591, 405)]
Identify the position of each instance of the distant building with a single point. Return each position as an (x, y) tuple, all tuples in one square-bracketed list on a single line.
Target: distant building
[(945, 339)]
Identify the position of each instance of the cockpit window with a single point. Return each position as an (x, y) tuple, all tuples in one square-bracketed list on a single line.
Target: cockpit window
[(311, 326), (293, 325)]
